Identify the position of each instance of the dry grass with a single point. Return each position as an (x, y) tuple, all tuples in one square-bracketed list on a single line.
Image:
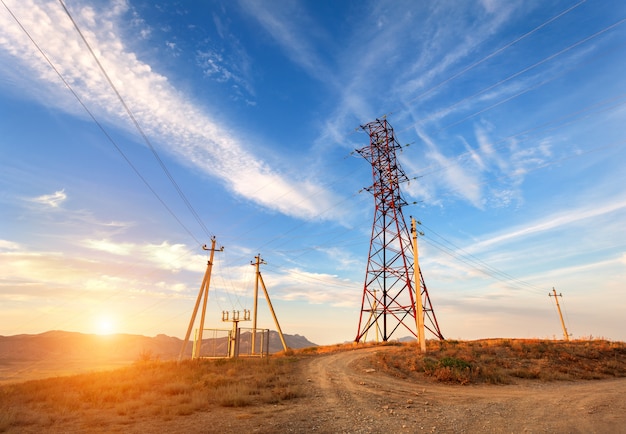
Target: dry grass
[(503, 361), (148, 389), (162, 391)]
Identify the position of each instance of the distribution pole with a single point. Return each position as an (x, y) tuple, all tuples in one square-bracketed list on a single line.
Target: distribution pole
[(202, 294), (419, 309), (556, 298), (269, 303), (257, 262)]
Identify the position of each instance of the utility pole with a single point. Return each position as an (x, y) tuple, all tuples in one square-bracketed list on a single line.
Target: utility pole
[(257, 262), (419, 309), (556, 299), (259, 279), (202, 294)]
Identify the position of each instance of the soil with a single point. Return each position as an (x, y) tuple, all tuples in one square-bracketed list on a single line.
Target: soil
[(344, 393)]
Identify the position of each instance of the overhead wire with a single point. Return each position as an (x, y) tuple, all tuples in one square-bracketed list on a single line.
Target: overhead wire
[(518, 73), (554, 123), (468, 258), (137, 126), (154, 151), (149, 144), (308, 277), (471, 259), (109, 138), (99, 125), (145, 138), (291, 230), (494, 53)]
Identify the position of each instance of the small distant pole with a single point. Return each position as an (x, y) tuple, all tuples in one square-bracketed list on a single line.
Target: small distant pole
[(556, 299)]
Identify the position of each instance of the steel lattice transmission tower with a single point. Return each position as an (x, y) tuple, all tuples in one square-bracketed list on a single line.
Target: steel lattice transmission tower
[(388, 302)]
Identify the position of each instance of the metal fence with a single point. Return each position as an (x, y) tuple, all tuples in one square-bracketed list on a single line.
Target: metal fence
[(221, 343)]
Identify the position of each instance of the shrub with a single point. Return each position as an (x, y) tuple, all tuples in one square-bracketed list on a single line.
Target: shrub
[(501, 361)]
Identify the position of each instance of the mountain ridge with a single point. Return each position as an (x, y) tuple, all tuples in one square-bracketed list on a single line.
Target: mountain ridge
[(58, 352)]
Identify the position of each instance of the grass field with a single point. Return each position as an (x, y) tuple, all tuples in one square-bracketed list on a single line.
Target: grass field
[(148, 389)]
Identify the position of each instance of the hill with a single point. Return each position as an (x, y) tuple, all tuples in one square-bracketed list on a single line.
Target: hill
[(24, 357)]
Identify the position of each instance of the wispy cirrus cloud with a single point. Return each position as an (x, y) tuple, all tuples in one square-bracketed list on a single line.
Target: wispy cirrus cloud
[(163, 112), (464, 181), (36, 273), (9, 245), (316, 288), (290, 27), (165, 256), (553, 221), (225, 60), (53, 200)]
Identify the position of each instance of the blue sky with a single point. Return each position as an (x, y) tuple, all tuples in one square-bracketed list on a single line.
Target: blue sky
[(513, 114)]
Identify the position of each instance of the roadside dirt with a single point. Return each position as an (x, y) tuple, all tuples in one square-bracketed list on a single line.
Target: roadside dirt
[(346, 394)]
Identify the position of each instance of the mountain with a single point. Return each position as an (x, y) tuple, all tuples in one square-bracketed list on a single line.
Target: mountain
[(59, 352)]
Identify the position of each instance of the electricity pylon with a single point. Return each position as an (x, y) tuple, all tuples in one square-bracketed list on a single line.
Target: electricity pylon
[(389, 296)]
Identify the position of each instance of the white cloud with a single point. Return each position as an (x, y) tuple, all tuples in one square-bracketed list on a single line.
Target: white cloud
[(123, 249), (464, 181), (286, 24), (53, 200), (172, 257), (161, 110), (165, 256), (40, 274), (9, 245), (556, 220), (315, 288)]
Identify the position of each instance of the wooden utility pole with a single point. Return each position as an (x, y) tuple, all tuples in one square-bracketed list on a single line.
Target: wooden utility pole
[(258, 261), (202, 294), (419, 308), (556, 299)]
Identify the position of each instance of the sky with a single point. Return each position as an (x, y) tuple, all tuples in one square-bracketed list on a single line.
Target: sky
[(132, 132)]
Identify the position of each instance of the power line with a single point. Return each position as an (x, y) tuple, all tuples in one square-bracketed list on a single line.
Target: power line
[(472, 260), (518, 73), (557, 122), (137, 126), (100, 126), (494, 53)]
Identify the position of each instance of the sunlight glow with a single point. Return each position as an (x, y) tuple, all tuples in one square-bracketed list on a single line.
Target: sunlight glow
[(105, 325)]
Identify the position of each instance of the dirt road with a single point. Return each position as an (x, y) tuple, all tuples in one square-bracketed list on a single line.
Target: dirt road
[(352, 396), (346, 394)]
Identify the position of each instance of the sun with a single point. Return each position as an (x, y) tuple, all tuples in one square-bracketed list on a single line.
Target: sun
[(105, 325)]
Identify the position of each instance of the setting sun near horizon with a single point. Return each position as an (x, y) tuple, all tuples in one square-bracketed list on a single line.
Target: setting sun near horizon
[(105, 325)]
